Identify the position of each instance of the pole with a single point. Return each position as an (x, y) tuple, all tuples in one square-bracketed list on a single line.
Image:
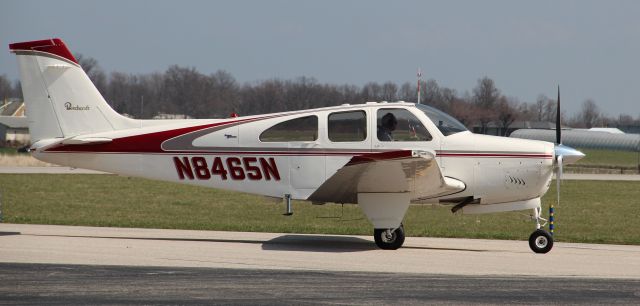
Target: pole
[(141, 106), (419, 81)]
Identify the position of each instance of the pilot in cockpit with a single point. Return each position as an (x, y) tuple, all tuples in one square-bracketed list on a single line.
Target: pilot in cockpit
[(387, 126)]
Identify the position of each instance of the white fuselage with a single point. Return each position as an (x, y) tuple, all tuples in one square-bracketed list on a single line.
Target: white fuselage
[(229, 154)]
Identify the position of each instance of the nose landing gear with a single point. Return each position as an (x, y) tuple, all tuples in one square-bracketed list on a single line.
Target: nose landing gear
[(540, 240)]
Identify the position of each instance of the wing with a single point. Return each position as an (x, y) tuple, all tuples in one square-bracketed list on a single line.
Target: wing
[(413, 171)]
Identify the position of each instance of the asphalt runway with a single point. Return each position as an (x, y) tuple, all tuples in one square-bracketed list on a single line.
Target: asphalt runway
[(92, 265), (81, 284)]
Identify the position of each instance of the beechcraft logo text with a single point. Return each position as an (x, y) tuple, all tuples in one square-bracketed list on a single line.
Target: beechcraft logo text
[(71, 107)]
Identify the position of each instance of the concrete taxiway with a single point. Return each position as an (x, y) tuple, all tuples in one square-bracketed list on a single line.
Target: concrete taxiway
[(91, 265), (184, 248)]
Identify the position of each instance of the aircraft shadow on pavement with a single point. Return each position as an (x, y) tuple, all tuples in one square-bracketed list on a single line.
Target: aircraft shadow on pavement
[(309, 243), (317, 243)]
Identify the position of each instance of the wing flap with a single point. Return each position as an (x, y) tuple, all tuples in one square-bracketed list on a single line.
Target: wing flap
[(407, 171)]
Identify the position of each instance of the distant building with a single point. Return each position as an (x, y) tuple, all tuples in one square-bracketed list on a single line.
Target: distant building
[(585, 139), (14, 131), (171, 116), (629, 129), (12, 108), (606, 130), (14, 127), (494, 128)]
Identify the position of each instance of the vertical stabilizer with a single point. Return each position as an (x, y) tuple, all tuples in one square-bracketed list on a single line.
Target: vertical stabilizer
[(61, 101)]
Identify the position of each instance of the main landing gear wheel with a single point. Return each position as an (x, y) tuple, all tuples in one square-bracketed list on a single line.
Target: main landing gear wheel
[(540, 241), (389, 239)]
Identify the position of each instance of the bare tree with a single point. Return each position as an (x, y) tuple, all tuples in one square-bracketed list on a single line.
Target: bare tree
[(464, 111), (625, 120), (6, 90), (589, 114), (485, 96), (92, 69), (408, 92), (372, 91), (389, 91), (447, 95), (507, 113)]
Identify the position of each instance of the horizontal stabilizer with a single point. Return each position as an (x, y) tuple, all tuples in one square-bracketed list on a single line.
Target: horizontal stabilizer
[(85, 140)]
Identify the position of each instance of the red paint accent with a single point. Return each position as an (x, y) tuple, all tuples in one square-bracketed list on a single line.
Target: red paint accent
[(495, 155), (218, 168), (371, 157), (236, 171), (183, 167), (282, 153), (253, 172), (143, 143), (52, 46), (270, 169), (200, 167)]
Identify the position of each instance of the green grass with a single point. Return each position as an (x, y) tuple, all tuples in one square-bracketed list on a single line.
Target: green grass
[(8, 151), (591, 211), (609, 158)]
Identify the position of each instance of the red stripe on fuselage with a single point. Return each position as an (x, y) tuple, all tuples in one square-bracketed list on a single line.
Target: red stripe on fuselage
[(495, 155), (144, 143)]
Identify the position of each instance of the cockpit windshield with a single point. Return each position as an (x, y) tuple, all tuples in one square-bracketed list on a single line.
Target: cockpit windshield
[(444, 122)]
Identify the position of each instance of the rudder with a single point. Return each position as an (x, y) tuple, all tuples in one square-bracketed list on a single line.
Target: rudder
[(60, 99)]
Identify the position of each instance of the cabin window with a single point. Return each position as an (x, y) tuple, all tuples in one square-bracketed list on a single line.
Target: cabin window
[(347, 126), (399, 124), (298, 129)]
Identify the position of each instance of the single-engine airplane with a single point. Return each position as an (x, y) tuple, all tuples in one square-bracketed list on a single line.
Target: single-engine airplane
[(380, 156)]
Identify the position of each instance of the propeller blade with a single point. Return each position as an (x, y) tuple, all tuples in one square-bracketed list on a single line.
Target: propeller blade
[(558, 181), (559, 175), (558, 125), (560, 150)]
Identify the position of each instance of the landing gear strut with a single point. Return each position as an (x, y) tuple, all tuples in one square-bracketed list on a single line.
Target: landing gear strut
[(540, 240), (389, 239)]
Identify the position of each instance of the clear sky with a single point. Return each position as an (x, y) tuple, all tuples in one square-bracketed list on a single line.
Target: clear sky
[(591, 48)]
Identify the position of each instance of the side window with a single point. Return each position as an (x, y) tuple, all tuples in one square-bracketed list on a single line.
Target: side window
[(347, 126), (398, 124), (299, 129)]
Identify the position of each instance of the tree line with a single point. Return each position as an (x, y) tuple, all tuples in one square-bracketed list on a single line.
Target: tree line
[(186, 91)]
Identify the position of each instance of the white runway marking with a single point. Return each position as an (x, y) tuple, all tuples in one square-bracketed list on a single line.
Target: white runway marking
[(182, 248)]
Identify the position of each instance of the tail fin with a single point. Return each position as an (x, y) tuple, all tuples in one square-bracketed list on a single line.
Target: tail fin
[(61, 101)]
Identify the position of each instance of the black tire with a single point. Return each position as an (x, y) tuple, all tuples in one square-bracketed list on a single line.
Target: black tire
[(541, 242), (392, 242)]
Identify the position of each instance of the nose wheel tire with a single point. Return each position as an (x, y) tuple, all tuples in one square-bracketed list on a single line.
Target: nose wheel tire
[(541, 242), (389, 239)]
